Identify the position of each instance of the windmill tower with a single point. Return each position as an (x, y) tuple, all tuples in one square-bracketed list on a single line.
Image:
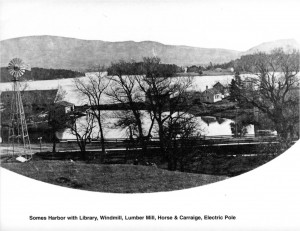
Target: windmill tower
[(18, 134)]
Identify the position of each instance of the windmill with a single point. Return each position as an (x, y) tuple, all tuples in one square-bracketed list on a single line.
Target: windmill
[(18, 137)]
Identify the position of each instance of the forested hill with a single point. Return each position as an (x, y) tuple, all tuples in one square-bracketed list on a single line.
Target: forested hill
[(41, 74), (78, 54)]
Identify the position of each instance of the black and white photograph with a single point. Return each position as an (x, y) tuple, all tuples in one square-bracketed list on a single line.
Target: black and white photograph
[(149, 115)]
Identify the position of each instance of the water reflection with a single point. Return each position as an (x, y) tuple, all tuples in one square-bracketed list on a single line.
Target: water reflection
[(220, 126), (208, 126)]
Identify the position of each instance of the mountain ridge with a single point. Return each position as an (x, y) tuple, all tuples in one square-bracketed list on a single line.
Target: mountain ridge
[(286, 44), (59, 52)]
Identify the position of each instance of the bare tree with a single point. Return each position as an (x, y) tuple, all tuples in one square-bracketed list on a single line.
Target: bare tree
[(126, 120), (125, 91), (166, 101), (181, 132), (93, 89), (150, 86), (81, 125), (164, 95), (273, 87)]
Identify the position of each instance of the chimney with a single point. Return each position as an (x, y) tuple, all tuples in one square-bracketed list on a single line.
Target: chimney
[(206, 87)]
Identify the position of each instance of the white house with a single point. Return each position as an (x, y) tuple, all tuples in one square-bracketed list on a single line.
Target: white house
[(211, 95)]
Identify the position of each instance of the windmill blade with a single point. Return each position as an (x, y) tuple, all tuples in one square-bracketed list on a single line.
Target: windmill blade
[(16, 67), (11, 72), (15, 62)]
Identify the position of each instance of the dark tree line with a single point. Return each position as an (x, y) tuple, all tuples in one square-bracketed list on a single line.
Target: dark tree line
[(211, 66), (41, 74), (222, 65), (195, 69), (138, 68)]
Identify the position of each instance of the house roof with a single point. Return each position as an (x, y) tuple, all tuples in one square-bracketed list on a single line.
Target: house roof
[(65, 103), (212, 91), (218, 83)]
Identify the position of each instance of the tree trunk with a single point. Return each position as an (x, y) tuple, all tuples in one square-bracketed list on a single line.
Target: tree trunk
[(172, 161), (172, 155), (82, 149), (102, 156), (283, 133), (141, 138), (281, 128), (182, 165), (161, 137), (54, 146), (53, 142)]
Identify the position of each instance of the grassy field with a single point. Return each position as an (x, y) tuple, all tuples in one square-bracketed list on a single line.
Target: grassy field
[(109, 178), (229, 165)]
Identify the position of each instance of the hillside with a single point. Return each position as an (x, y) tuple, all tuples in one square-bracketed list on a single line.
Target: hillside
[(77, 54), (286, 44)]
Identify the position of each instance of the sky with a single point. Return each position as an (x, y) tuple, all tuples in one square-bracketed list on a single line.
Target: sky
[(232, 24)]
